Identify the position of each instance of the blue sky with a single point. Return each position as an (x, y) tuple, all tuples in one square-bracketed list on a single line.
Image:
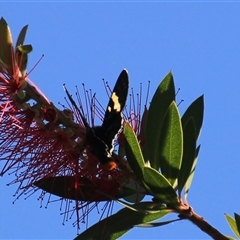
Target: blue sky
[(88, 41)]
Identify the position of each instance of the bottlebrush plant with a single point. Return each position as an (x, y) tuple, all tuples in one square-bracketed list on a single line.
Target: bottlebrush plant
[(61, 152)]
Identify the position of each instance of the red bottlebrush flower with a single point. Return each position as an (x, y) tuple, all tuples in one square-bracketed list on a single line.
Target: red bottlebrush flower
[(39, 142), (44, 147), (136, 115), (36, 147)]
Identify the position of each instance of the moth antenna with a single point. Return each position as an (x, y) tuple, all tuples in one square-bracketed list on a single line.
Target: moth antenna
[(92, 106), (76, 107), (86, 98), (133, 101)]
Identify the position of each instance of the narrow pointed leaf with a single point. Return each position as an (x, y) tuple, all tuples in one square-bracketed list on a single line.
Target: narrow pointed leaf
[(237, 220), (22, 52), (171, 144), (144, 122), (230, 238), (147, 207), (143, 134), (157, 224), (159, 186), (161, 100), (21, 36), (138, 192), (195, 110), (86, 190), (118, 224), (190, 178), (25, 48), (133, 151), (233, 225), (64, 186), (189, 148), (6, 44)]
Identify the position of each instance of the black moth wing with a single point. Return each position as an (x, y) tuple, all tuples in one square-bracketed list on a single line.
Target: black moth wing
[(93, 139), (112, 121), (97, 146), (99, 140)]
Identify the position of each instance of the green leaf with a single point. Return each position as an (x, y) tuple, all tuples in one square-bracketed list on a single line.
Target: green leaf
[(22, 57), (190, 177), (195, 111), (171, 144), (64, 186), (86, 190), (21, 36), (138, 192), (143, 134), (21, 51), (230, 238), (189, 148), (233, 225), (144, 122), (147, 207), (118, 224), (25, 48), (6, 45), (157, 224), (237, 220), (133, 151), (159, 186), (161, 100)]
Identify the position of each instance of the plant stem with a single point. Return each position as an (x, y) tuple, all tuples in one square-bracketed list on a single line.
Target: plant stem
[(202, 224)]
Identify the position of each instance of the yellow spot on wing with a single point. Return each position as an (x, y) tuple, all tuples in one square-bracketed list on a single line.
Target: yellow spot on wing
[(116, 103)]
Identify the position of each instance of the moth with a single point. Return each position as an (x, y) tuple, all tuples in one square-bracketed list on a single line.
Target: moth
[(99, 140)]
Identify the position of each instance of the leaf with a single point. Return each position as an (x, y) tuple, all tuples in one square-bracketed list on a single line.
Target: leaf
[(133, 151), (233, 225), (195, 111), (138, 192), (157, 224), (143, 122), (64, 186), (125, 192), (76, 188), (6, 45), (237, 220), (21, 36), (190, 177), (230, 238), (159, 186), (143, 134), (147, 207), (189, 148), (171, 144), (161, 100), (22, 57), (25, 48), (119, 223)]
